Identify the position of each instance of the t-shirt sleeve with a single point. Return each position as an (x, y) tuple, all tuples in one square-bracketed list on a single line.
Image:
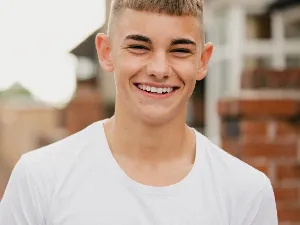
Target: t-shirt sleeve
[(20, 204), (262, 209)]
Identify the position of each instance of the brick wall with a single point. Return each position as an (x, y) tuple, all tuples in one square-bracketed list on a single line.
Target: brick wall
[(271, 79), (23, 121), (264, 131), (85, 108)]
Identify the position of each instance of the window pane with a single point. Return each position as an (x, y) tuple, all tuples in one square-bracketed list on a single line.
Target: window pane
[(253, 62), (293, 61), (292, 30), (258, 26)]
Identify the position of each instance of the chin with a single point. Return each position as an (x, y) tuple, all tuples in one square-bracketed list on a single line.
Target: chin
[(154, 121), (156, 118)]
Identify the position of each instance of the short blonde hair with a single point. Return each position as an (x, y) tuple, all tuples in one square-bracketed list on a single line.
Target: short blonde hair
[(168, 7)]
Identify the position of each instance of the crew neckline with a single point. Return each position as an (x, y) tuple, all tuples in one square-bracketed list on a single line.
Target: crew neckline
[(185, 183)]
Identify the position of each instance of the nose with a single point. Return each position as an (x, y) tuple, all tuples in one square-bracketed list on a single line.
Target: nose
[(158, 66)]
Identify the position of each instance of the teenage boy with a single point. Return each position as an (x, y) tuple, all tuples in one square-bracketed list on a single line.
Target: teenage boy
[(144, 165)]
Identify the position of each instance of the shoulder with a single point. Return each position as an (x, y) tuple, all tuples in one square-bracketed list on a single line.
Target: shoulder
[(231, 167), (51, 162), (39, 174), (64, 150), (237, 182)]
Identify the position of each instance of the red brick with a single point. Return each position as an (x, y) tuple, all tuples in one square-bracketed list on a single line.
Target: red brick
[(231, 146), (228, 108), (286, 194), (262, 168), (223, 129), (285, 129), (230, 128), (297, 128), (259, 108), (247, 78), (198, 111), (293, 78), (288, 171), (274, 79), (290, 214), (255, 79), (271, 79), (268, 108), (272, 150), (267, 138), (259, 164), (85, 108), (251, 128)]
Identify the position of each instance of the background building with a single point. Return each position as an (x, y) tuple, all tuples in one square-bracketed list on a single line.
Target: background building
[(249, 103)]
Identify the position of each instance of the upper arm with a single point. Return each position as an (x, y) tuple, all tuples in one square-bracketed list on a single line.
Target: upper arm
[(21, 204), (262, 209)]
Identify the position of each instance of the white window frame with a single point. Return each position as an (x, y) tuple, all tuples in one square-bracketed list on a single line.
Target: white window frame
[(237, 48)]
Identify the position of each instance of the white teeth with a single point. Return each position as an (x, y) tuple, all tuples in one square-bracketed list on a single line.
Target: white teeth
[(170, 89), (155, 89)]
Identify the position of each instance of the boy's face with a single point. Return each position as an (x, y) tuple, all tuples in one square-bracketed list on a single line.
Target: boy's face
[(156, 60)]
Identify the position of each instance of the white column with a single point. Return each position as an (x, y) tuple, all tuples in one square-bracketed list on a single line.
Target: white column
[(278, 39), (236, 36), (220, 83), (212, 83), (212, 96)]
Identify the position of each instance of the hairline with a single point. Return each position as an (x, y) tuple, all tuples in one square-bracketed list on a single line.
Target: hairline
[(113, 18)]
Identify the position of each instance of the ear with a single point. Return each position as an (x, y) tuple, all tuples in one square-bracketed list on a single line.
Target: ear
[(204, 60), (104, 52)]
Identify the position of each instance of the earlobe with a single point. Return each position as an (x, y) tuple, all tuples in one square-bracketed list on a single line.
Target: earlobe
[(104, 52), (205, 57), (201, 74)]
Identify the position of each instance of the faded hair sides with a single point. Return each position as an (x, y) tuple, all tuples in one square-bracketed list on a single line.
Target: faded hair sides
[(168, 7)]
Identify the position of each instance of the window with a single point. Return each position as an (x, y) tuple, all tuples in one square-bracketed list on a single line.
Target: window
[(293, 61), (258, 26), (221, 19), (292, 30), (253, 62)]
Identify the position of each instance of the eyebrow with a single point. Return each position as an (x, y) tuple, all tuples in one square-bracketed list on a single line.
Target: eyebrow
[(138, 37), (176, 41), (182, 41)]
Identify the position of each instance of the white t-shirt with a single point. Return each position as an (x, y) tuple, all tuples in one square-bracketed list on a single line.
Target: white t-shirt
[(77, 181)]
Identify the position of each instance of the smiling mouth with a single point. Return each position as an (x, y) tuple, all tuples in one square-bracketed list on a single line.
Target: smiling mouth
[(156, 90)]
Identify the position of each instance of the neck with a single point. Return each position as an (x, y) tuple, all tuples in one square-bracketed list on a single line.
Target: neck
[(136, 139)]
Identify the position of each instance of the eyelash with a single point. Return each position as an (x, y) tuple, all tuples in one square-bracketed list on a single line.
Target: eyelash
[(181, 50), (138, 47), (141, 47)]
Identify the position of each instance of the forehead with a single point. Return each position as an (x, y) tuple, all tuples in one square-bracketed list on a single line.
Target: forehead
[(157, 27)]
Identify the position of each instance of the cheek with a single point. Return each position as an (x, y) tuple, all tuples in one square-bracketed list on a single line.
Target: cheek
[(187, 70), (128, 67)]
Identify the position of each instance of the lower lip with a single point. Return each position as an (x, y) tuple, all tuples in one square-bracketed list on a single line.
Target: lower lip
[(156, 96)]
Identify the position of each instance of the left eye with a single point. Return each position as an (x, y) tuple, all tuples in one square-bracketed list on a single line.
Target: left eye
[(181, 50), (138, 47)]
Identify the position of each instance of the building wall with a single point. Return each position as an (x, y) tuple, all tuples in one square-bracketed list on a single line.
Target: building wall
[(22, 124), (262, 128)]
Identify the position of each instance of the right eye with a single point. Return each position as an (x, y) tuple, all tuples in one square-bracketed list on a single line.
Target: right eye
[(138, 47)]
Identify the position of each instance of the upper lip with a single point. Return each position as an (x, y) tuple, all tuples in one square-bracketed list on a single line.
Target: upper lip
[(156, 85)]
